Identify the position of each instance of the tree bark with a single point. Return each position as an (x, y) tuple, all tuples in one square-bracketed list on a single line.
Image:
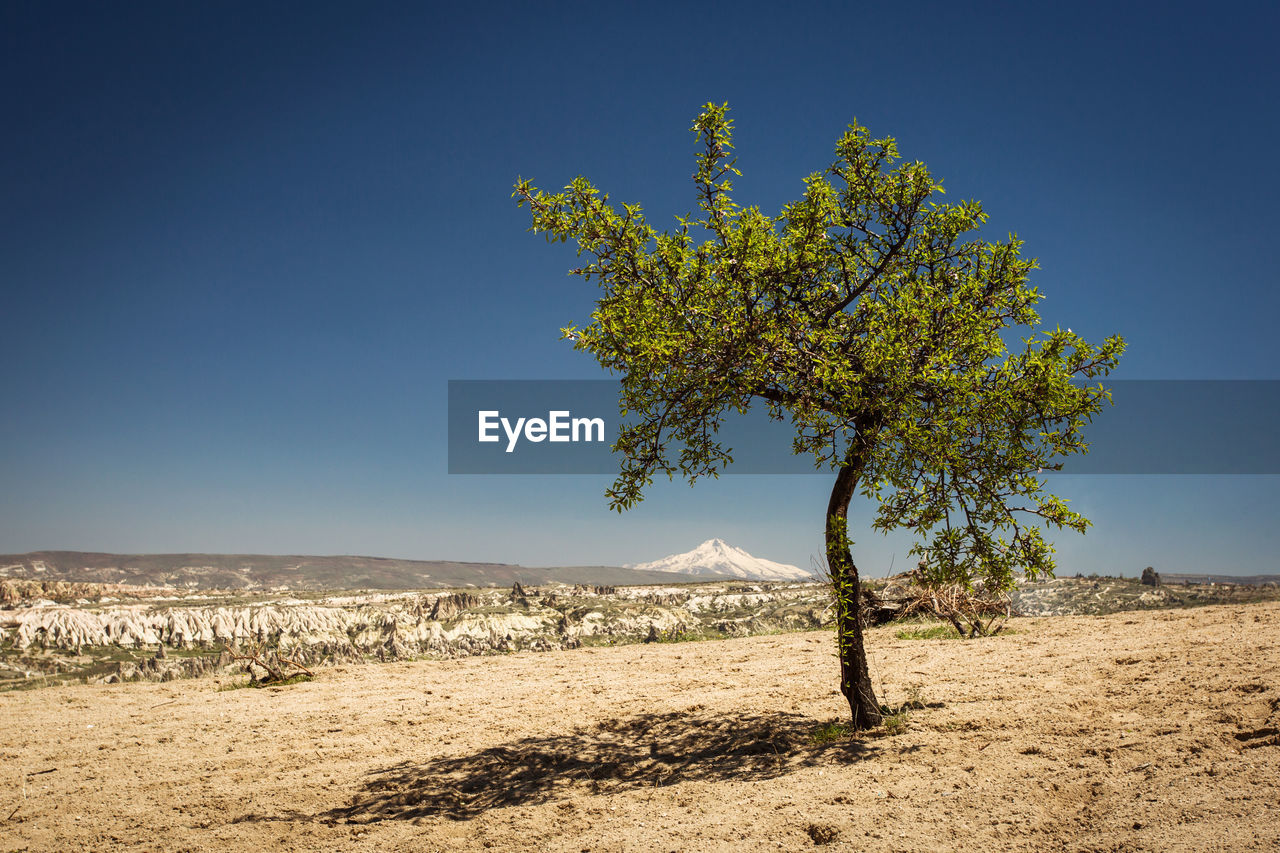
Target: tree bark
[(855, 681)]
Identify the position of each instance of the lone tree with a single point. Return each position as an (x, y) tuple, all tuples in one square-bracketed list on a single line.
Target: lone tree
[(870, 315)]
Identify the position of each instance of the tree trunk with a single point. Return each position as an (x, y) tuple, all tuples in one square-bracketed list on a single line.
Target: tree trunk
[(855, 681)]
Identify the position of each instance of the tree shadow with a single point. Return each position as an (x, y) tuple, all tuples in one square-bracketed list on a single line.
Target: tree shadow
[(646, 751)]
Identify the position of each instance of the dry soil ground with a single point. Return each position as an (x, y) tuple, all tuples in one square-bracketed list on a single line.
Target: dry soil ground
[(1136, 731)]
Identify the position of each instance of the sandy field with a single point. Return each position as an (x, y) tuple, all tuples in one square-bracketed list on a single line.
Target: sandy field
[(1135, 731)]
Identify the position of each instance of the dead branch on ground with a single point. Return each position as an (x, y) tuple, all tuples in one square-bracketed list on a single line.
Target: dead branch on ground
[(274, 664), (973, 611)]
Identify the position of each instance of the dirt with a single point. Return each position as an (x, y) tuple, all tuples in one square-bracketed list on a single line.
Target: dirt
[(1140, 730)]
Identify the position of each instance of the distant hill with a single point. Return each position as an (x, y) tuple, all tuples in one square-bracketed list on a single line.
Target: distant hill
[(1242, 580), (270, 571)]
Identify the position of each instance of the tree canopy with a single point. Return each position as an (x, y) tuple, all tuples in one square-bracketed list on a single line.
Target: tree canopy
[(872, 316)]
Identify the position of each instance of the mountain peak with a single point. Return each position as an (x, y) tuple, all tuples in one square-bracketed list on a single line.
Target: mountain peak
[(717, 558)]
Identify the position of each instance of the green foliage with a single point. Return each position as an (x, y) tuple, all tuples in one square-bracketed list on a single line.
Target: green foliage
[(869, 314)]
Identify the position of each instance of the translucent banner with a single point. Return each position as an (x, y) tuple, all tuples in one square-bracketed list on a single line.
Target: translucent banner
[(1154, 427)]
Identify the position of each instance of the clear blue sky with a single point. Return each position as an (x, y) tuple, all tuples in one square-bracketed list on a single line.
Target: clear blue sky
[(244, 246)]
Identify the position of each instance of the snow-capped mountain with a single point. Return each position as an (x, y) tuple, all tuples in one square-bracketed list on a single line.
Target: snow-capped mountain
[(717, 558)]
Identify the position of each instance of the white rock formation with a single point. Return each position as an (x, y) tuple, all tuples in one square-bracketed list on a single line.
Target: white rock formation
[(377, 626)]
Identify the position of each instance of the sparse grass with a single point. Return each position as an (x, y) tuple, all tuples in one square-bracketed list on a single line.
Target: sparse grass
[(939, 631), (928, 631), (895, 724), (83, 665), (895, 716), (894, 721), (831, 732), (698, 636), (914, 700), (676, 635)]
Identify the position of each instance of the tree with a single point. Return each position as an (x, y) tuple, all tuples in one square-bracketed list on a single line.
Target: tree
[(870, 315)]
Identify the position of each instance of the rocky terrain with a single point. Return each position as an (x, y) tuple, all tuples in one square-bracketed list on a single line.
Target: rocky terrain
[(1100, 595), (56, 631), (113, 638)]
